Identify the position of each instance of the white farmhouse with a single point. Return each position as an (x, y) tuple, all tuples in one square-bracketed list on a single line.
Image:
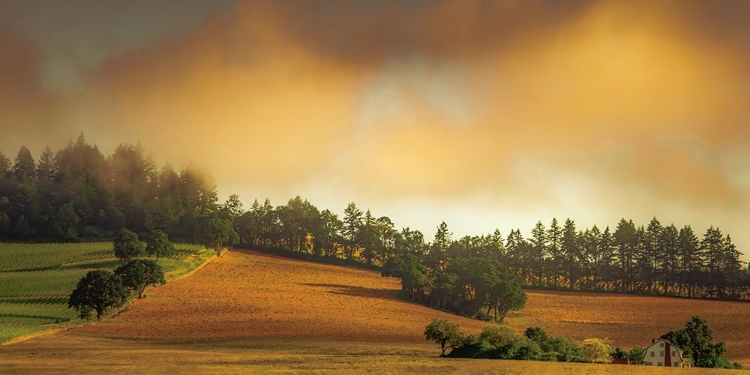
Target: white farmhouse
[(663, 353)]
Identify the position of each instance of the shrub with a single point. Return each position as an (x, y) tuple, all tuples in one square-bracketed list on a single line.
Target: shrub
[(597, 350)]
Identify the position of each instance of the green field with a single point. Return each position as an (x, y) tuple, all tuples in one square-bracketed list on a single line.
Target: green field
[(36, 279)]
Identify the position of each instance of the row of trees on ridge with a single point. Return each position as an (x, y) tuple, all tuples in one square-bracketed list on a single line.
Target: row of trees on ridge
[(77, 194)]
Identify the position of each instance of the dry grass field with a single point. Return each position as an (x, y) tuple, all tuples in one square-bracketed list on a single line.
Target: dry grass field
[(253, 295), (253, 313), (634, 320)]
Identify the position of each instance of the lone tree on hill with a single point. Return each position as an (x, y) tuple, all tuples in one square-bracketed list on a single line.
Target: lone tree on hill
[(157, 244), (138, 274), (98, 290), (127, 246), (214, 232), (443, 332)]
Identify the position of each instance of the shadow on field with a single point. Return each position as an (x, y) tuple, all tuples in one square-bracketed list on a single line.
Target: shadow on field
[(357, 291)]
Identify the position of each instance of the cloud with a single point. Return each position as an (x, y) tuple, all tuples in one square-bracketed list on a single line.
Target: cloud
[(26, 107), (599, 108)]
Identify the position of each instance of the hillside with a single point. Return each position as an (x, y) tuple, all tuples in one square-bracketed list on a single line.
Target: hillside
[(37, 279), (249, 311), (634, 320), (253, 295)]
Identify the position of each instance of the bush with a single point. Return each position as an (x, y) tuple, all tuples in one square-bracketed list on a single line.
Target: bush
[(636, 354), (500, 342), (597, 350), (618, 352), (564, 349)]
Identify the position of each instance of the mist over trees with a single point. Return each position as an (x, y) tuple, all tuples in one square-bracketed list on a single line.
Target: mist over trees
[(78, 194)]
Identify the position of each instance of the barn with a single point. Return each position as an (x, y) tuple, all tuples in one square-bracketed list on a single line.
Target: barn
[(663, 353)]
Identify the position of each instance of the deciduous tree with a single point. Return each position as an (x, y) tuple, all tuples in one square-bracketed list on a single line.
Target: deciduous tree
[(214, 232), (138, 274), (696, 339), (98, 291), (443, 332), (597, 350), (127, 246), (158, 245)]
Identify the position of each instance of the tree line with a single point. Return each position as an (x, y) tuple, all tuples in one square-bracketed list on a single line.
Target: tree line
[(655, 259), (77, 194)]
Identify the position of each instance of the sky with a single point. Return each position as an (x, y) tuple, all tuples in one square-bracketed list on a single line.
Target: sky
[(482, 114)]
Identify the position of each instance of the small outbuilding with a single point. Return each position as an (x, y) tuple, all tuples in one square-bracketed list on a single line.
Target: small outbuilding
[(663, 353)]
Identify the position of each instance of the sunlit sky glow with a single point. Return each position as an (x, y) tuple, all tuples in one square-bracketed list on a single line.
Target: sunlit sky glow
[(485, 114)]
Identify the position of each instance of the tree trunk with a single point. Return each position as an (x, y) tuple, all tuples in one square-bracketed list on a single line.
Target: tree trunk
[(555, 275)]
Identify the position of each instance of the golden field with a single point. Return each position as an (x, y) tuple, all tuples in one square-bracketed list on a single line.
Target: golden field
[(248, 312), (634, 320)]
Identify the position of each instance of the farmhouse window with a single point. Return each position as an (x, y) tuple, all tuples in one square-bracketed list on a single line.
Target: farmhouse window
[(661, 345), (661, 353), (652, 353)]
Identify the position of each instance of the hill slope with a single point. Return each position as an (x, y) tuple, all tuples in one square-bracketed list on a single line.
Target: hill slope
[(634, 320), (252, 295), (253, 312)]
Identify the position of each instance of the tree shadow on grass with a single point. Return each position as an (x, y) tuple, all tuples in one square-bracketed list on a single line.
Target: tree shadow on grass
[(357, 291)]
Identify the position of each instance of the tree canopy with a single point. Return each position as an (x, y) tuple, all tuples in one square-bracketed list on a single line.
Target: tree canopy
[(697, 342), (98, 291), (127, 245), (136, 275), (444, 333), (214, 232), (79, 194), (158, 245)]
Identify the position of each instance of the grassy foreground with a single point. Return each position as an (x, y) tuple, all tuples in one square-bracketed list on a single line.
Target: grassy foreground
[(36, 280), (97, 355)]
